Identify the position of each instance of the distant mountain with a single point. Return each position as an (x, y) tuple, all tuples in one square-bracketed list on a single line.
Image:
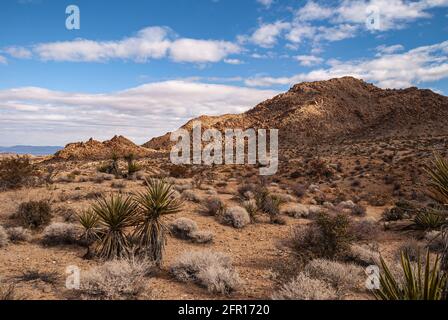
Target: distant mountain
[(33, 150), (96, 150), (334, 110)]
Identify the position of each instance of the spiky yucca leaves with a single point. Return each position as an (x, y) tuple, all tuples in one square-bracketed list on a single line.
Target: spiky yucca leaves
[(438, 174), (417, 284), (430, 219), (116, 213), (150, 232), (89, 221)]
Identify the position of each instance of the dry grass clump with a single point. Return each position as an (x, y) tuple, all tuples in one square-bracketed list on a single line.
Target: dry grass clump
[(187, 229), (201, 236), (364, 255), (116, 280), (4, 239), (7, 291), (61, 233), (118, 185), (190, 195), (183, 227), (343, 276), (34, 214), (212, 206), (295, 210), (247, 191), (303, 287), (19, 234), (211, 270), (252, 209), (237, 217)]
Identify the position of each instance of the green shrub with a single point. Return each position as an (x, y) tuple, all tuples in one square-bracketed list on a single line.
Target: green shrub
[(16, 172), (329, 236), (35, 214)]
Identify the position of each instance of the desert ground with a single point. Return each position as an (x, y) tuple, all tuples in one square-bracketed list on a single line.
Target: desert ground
[(363, 180), (357, 205)]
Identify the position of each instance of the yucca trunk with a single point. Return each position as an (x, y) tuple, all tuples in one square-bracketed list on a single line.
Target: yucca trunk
[(152, 236)]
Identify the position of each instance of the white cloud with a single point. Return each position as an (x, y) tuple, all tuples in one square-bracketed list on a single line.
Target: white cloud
[(3, 60), (383, 49), (313, 11), (233, 61), (422, 64), (266, 3), (308, 61), (346, 18), (40, 116), (266, 35), (18, 52), (190, 50), (149, 43)]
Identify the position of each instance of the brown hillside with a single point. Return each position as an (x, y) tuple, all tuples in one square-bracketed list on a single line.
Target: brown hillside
[(96, 150), (336, 109)]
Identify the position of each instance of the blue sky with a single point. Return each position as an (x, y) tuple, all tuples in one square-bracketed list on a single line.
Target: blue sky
[(141, 68)]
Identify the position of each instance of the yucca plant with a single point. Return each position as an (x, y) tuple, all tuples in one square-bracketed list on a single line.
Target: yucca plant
[(89, 221), (116, 213), (420, 281), (133, 167), (151, 231), (438, 184), (429, 219)]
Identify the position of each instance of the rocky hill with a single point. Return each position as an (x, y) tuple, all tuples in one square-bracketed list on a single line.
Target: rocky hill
[(96, 150), (335, 110)]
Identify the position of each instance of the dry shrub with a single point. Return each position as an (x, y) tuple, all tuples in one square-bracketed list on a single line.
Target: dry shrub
[(364, 255), (282, 197), (435, 241), (245, 191), (118, 185), (295, 210), (34, 214), (7, 291), (359, 210), (303, 287), (343, 276), (367, 229), (16, 172), (299, 190), (213, 206), (211, 270), (236, 217), (116, 280), (19, 234), (4, 239), (183, 227), (327, 237), (412, 248), (201, 236), (61, 233), (190, 195), (178, 171), (252, 209)]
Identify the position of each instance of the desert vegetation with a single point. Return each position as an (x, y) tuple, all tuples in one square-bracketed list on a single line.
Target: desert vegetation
[(139, 227)]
